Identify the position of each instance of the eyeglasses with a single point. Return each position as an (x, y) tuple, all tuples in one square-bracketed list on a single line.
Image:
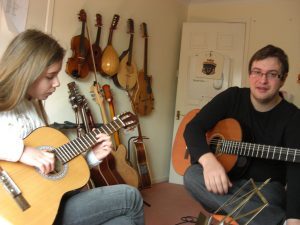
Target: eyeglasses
[(270, 74)]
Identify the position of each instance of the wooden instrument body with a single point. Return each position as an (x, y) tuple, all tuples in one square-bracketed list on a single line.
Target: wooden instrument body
[(127, 74), (77, 65), (227, 129), (109, 65), (42, 194), (127, 172), (142, 95)]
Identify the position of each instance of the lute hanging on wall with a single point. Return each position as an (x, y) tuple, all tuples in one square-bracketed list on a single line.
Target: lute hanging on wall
[(110, 60)]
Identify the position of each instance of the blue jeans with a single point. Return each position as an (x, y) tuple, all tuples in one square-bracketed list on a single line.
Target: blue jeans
[(109, 205), (274, 193)]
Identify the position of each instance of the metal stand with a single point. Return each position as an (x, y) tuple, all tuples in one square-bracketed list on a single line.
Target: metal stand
[(235, 207)]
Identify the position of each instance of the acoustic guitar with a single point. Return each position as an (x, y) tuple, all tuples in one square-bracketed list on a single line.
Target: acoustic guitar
[(123, 165), (97, 51), (224, 140), (141, 154), (127, 75), (29, 197), (110, 59), (106, 172)]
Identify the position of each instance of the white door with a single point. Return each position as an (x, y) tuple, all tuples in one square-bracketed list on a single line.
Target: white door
[(211, 60)]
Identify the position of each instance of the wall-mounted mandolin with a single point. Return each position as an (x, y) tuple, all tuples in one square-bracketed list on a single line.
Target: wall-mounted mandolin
[(127, 75), (110, 59), (96, 46)]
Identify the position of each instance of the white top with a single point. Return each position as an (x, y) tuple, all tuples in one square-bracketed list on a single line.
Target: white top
[(17, 124)]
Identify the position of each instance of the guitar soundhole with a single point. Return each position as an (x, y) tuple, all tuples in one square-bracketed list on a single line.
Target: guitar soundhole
[(60, 169)]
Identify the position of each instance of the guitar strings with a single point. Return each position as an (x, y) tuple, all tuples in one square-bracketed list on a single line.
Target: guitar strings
[(246, 146)]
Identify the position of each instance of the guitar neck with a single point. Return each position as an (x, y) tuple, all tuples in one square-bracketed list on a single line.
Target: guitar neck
[(112, 114), (83, 143), (257, 150), (130, 50), (98, 36), (146, 57)]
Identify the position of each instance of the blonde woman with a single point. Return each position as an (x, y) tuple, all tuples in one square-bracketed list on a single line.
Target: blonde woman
[(29, 71)]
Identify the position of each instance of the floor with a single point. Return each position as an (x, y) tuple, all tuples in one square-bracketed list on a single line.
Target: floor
[(169, 204)]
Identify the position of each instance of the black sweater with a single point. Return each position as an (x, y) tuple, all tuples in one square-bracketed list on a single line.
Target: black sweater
[(278, 127)]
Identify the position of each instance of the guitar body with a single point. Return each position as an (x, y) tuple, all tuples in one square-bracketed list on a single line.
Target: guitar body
[(180, 156), (104, 174), (127, 172), (127, 75), (228, 129), (142, 164), (43, 194), (143, 99)]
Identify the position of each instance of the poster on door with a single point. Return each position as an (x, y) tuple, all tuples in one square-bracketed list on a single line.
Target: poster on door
[(208, 75)]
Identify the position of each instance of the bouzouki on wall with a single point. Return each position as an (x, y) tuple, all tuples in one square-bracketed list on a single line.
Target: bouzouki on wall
[(142, 94), (123, 165), (96, 46), (27, 196), (110, 60), (225, 141), (127, 75)]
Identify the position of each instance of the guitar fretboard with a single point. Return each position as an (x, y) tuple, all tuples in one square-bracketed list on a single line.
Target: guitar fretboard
[(257, 150), (81, 144)]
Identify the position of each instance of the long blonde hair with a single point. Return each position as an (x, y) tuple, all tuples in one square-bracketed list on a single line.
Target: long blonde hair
[(25, 58)]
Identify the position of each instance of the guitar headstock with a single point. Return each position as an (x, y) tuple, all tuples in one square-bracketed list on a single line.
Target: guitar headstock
[(98, 20), (114, 22), (128, 119), (82, 15), (130, 26), (97, 96), (107, 92), (144, 30), (75, 97)]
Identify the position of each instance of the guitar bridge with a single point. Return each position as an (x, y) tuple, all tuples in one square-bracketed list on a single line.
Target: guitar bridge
[(13, 189)]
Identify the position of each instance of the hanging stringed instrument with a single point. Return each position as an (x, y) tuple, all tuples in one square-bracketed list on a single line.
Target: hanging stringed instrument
[(110, 59), (142, 95), (77, 65), (127, 75), (123, 165), (96, 46)]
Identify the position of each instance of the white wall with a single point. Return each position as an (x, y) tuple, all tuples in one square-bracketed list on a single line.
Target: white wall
[(164, 20), (274, 22)]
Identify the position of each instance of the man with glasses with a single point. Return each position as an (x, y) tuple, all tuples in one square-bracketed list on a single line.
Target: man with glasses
[(266, 118)]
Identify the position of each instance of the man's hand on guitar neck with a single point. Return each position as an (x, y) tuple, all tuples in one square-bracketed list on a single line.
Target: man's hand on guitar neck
[(215, 177)]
